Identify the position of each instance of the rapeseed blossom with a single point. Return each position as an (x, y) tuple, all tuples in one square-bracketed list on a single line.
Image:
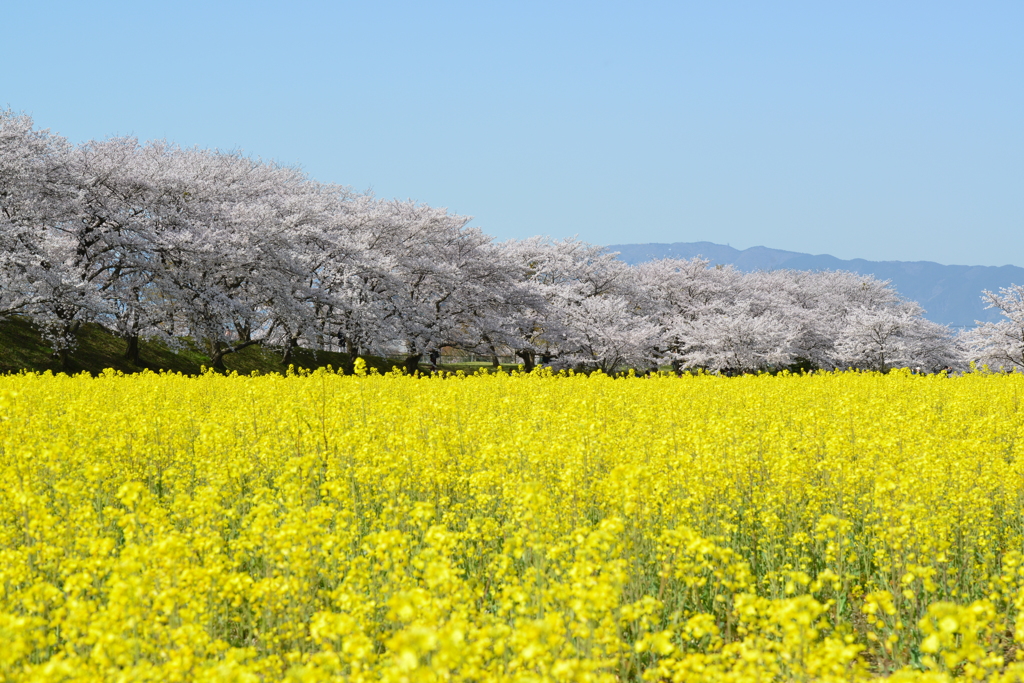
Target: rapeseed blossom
[(314, 527)]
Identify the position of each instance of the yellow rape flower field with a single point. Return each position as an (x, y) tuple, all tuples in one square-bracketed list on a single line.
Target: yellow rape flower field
[(828, 527)]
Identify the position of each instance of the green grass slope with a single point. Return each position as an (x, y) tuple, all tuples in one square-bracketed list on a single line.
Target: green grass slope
[(22, 347)]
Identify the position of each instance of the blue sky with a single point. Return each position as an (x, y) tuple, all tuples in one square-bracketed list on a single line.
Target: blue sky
[(873, 130)]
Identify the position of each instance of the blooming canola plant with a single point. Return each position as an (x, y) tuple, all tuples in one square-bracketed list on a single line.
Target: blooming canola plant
[(835, 526)]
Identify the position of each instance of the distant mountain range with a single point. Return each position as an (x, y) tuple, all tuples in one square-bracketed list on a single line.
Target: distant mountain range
[(951, 295)]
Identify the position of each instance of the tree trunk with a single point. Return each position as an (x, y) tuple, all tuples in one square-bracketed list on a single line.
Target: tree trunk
[(131, 354), (68, 339), (289, 346), (217, 352), (528, 359), (217, 359), (412, 363)]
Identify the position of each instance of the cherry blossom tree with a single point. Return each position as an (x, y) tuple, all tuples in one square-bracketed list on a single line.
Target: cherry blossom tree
[(25, 164), (608, 334), (434, 281), (579, 286), (120, 191), (720, 319), (1000, 345), (154, 240), (692, 303), (38, 262), (894, 336), (232, 272), (732, 339)]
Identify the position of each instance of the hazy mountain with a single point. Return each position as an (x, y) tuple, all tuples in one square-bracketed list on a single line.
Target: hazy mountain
[(950, 294)]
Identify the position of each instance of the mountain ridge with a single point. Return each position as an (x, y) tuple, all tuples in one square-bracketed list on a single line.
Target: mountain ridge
[(950, 294)]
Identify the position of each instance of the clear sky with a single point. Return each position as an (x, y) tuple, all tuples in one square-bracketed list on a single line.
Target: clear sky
[(878, 130)]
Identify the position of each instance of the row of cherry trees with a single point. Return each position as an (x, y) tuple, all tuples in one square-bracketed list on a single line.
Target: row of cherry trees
[(153, 240)]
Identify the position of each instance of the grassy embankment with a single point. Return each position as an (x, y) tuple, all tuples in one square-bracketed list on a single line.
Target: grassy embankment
[(22, 347)]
